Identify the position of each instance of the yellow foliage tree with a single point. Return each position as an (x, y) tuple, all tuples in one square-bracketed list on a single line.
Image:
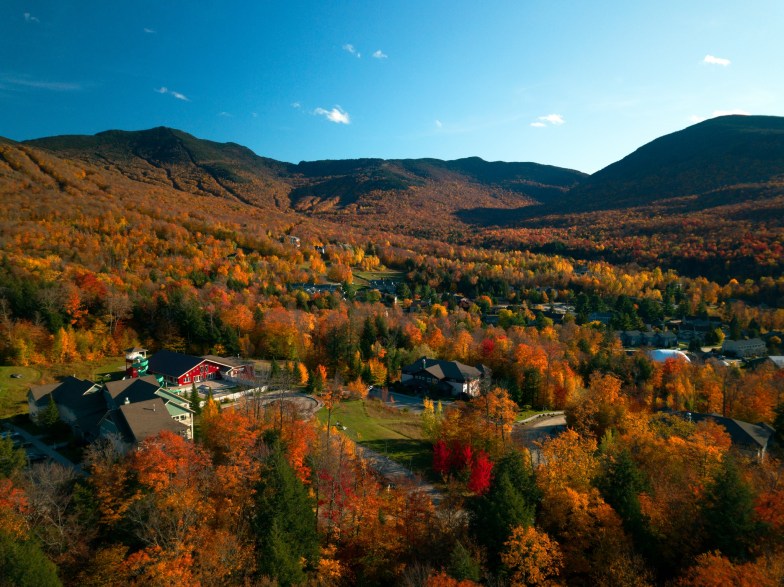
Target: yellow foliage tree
[(531, 557)]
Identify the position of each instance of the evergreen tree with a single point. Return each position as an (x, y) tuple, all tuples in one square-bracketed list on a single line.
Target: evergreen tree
[(23, 564), (274, 370), (729, 519), (620, 484), (367, 338), (510, 502), (462, 565), (195, 400), (736, 332), (11, 459), (50, 415), (284, 523)]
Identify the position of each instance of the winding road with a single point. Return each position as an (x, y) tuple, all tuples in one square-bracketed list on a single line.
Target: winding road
[(529, 433)]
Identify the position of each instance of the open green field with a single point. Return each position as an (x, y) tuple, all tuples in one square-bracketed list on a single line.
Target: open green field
[(389, 431), (523, 414), (13, 391), (363, 277), (112, 366)]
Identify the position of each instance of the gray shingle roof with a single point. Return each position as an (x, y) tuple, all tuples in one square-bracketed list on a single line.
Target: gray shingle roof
[(80, 396), (454, 370), (135, 390), (147, 418), (741, 433)]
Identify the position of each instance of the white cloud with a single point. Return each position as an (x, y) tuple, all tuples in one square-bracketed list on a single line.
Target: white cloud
[(716, 60), (538, 124), (695, 118), (30, 18), (226, 114), (178, 95), (296, 105), (26, 82), (254, 114), (336, 115), (555, 119), (379, 54), (149, 31), (351, 49), (439, 124)]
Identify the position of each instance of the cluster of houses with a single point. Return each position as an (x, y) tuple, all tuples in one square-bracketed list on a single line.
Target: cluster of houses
[(433, 376), (151, 398), (691, 329)]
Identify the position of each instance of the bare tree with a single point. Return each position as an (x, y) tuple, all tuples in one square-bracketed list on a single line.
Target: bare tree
[(118, 308), (52, 516)]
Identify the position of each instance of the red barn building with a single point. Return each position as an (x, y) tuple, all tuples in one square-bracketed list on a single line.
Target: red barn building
[(178, 369)]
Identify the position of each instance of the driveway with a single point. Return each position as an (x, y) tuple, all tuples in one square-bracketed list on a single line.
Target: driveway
[(529, 433), (45, 449), (306, 405), (413, 403)]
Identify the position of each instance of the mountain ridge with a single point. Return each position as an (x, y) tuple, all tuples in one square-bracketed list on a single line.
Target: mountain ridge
[(236, 171), (681, 217)]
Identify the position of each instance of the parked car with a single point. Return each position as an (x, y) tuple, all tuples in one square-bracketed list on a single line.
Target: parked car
[(15, 436), (33, 456)]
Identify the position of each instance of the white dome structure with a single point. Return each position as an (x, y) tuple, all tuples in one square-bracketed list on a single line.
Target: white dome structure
[(661, 355)]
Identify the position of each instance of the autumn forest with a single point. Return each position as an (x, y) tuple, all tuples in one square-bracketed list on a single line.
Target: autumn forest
[(334, 277)]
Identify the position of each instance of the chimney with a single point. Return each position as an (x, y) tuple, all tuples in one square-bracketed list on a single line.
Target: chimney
[(424, 363), (127, 400)]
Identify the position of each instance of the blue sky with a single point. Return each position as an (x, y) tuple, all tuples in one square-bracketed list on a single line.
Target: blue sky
[(571, 83)]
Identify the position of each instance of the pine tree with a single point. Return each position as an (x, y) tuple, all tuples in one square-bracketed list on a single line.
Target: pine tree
[(620, 485), (462, 565), (510, 502), (11, 459), (195, 400), (23, 563), (50, 415), (730, 522), (284, 523)]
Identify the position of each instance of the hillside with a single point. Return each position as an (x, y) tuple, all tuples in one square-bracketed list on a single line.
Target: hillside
[(721, 160), (173, 158), (707, 200)]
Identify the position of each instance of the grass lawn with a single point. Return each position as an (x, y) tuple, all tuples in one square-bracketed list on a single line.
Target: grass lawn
[(112, 366), (364, 277), (13, 392), (528, 413), (395, 433)]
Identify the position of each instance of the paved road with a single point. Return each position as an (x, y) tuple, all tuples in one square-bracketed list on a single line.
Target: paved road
[(45, 449), (307, 405), (537, 430), (413, 403)]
